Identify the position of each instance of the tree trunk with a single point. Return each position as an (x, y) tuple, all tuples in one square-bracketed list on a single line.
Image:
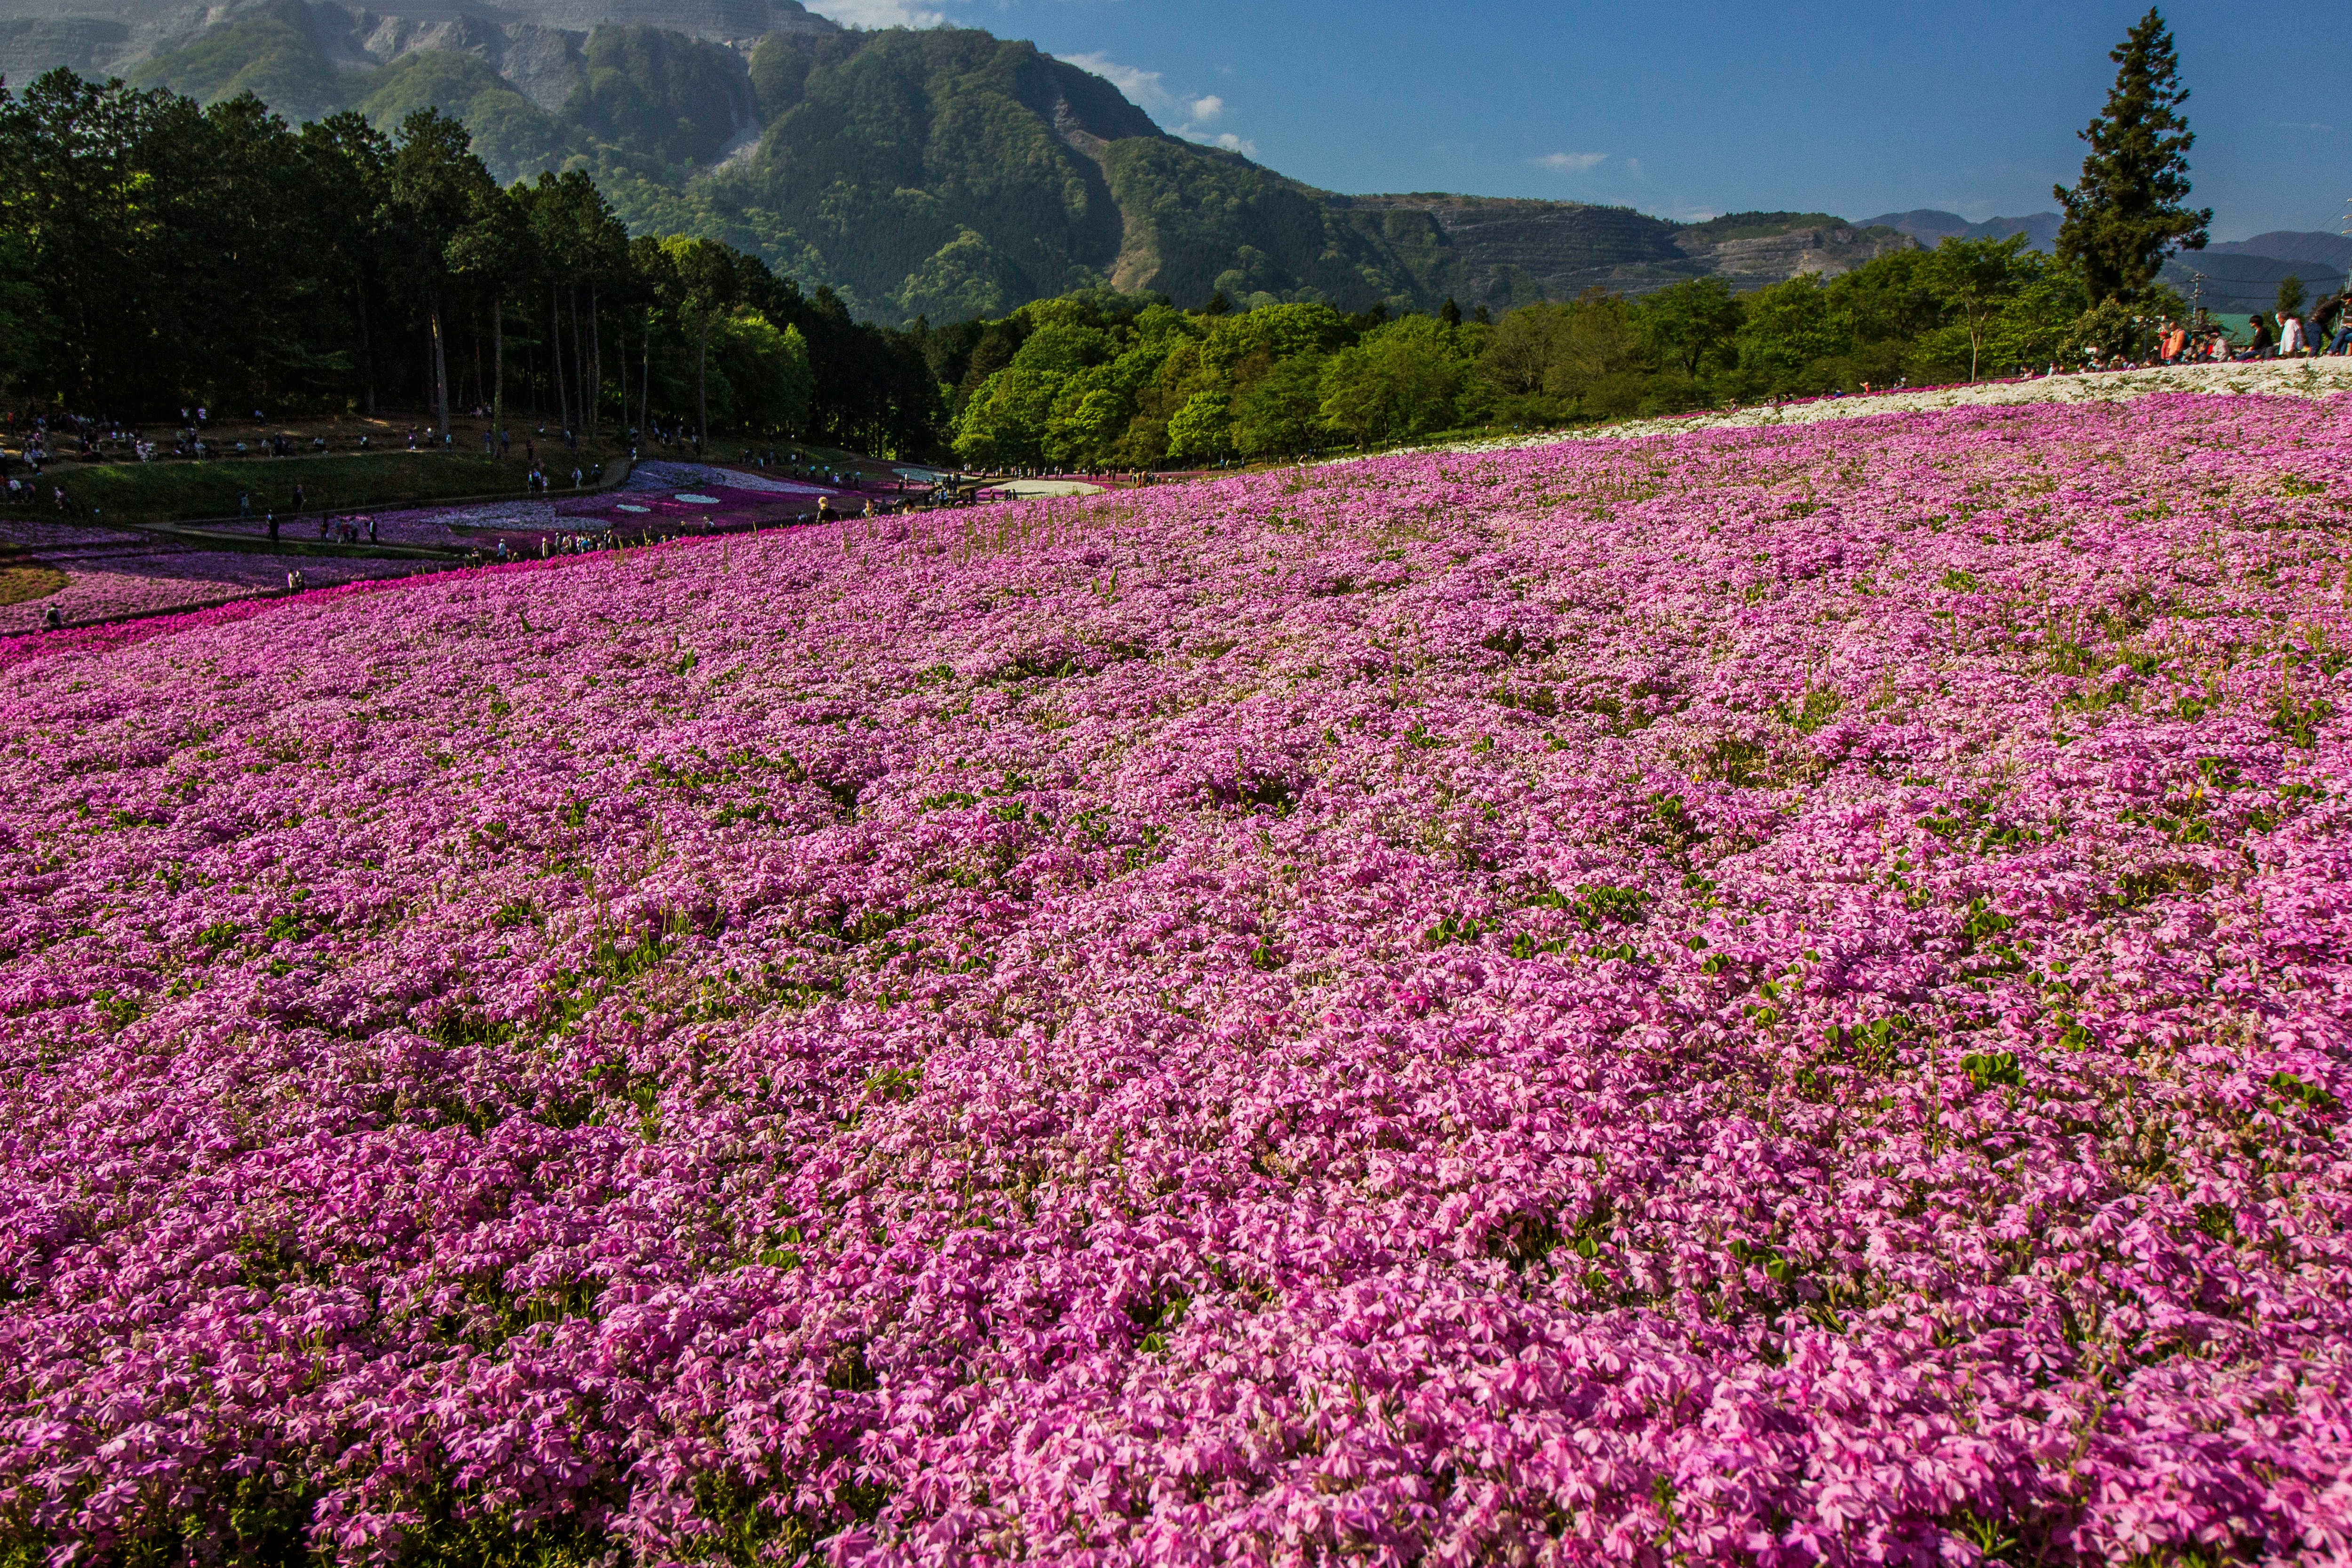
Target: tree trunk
[(555, 355), (440, 367), (498, 370), (645, 392), (595, 365), (367, 351), (702, 389), (579, 370)]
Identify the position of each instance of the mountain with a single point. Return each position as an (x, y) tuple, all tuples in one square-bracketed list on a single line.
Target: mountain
[(2233, 283), (2288, 244), (2229, 276), (943, 172), (1930, 226), (1502, 251)]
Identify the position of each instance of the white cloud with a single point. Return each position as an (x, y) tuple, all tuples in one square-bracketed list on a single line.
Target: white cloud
[(1191, 118), (1225, 139), (878, 13), (1571, 163), (1147, 89)]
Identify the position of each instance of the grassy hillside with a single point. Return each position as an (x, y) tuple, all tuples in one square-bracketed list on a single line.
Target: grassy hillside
[(165, 493)]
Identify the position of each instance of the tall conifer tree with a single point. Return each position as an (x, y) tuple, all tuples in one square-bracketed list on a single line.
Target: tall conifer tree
[(2126, 211)]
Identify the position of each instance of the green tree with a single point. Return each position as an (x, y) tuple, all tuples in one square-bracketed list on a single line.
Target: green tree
[(763, 371), (2290, 295), (1201, 431), (709, 286), (439, 190), (493, 250), (2034, 323), (26, 326), (353, 190), (1787, 328), (1003, 424), (1400, 380), (2126, 211), (1976, 279), (1546, 361), (1089, 415), (1277, 414), (1683, 323)]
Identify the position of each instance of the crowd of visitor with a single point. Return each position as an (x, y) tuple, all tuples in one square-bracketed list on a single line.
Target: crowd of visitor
[(2322, 329)]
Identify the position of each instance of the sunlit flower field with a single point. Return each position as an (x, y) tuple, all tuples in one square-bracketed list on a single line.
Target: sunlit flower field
[(1755, 996)]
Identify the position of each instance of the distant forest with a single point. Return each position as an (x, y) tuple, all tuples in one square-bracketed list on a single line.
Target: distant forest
[(156, 256)]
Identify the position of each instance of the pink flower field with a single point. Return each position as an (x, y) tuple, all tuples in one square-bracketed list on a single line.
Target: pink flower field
[(1759, 996), (102, 583)]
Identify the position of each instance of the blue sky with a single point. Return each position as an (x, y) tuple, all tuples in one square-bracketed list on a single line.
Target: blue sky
[(1690, 110)]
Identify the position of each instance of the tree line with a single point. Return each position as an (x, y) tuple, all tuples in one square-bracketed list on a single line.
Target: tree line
[(1102, 381), (156, 255), (1099, 381)]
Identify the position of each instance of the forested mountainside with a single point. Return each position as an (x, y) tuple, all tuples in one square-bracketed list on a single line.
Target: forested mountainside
[(941, 173)]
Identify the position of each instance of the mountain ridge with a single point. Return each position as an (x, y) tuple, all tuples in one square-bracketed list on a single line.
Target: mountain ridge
[(940, 172)]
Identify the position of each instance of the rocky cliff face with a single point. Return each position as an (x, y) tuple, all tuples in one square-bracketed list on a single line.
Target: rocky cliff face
[(1754, 261)]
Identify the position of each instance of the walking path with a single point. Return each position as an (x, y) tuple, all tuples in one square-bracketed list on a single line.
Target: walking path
[(2293, 378)]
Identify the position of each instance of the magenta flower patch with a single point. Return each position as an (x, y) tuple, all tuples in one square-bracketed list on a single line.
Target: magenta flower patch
[(1755, 996)]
